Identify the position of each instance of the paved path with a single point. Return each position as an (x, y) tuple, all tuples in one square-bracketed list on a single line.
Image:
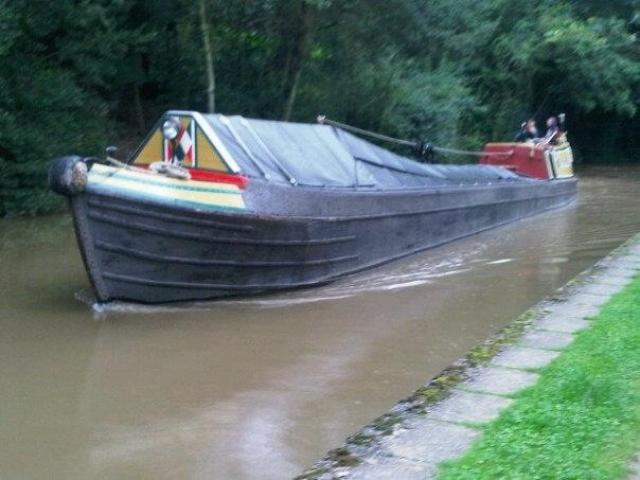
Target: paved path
[(635, 468), (419, 443)]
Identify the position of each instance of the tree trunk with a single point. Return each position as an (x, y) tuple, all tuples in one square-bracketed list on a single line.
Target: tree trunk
[(137, 102), (208, 54), (292, 95), (295, 62)]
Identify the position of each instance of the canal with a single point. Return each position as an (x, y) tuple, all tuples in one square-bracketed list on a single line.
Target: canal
[(259, 388)]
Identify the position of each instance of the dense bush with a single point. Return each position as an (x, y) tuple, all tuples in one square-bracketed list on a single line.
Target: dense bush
[(78, 74)]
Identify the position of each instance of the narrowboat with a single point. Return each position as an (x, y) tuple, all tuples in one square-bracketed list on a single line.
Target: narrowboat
[(212, 206)]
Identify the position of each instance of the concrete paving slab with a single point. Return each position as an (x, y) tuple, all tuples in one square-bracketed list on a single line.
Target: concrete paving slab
[(623, 260), (524, 358), (615, 260), (635, 469), (634, 249), (618, 272), (619, 281), (591, 298), (560, 323), (499, 381), (631, 262), (430, 441), (387, 469), (546, 340), (463, 407), (573, 309), (601, 290)]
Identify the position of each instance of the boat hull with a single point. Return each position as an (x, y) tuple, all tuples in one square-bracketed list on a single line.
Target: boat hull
[(142, 251)]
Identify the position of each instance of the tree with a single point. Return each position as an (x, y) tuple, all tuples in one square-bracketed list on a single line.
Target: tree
[(76, 74)]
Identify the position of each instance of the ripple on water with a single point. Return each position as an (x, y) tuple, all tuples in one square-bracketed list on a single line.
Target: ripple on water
[(408, 273)]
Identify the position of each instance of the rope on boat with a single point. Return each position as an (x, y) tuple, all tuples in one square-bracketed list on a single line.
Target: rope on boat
[(407, 143), (124, 165), (454, 151), (156, 168), (419, 146)]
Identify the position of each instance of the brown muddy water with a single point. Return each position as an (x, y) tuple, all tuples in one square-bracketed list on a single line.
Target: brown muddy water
[(259, 388)]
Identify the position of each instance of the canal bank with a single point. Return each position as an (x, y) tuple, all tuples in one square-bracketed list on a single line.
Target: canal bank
[(441, 420)]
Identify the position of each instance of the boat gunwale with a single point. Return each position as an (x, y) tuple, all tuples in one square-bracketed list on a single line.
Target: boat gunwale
[(293, 218)]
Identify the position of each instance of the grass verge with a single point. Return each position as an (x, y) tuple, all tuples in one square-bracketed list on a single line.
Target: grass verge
[(581, 420)]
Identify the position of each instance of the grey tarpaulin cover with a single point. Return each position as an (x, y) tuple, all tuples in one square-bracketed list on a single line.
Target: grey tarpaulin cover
[(324, 156)]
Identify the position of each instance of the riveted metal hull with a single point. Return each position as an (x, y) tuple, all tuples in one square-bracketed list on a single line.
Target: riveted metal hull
[(288, 237)]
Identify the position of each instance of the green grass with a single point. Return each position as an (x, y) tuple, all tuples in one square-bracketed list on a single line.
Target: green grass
[(581, 420)]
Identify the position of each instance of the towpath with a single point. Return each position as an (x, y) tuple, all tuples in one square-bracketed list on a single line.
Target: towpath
[(635, 468), (417, 435)]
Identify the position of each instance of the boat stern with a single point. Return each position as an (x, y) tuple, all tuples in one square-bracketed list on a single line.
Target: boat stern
[(531, 160)]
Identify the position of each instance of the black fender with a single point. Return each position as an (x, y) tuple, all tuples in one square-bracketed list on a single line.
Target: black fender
[(68, 175)]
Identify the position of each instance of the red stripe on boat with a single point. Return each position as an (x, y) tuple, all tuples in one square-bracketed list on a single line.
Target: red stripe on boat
[(209, 176)]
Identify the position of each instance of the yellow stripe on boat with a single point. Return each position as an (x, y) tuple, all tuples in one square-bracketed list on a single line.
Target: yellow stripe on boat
[(562, 158), (159, 188)]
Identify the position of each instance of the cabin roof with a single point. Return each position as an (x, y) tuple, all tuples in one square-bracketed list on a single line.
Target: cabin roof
[(325, 156)]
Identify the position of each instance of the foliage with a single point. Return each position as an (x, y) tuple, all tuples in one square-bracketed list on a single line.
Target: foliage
[(582, 418), (55, 63), (76, 74)]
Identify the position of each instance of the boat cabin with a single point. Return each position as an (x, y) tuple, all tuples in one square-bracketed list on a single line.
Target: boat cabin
[(234, 149), (531, 160)]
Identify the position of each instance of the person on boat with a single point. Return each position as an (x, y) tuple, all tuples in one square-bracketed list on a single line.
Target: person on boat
[(561, 138), (528, 131), (553, 132)]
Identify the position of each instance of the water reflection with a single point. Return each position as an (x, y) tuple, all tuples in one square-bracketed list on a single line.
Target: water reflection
[(258, 388)]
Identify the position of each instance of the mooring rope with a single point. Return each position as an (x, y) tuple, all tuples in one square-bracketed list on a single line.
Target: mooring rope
[(324, 120), (125, 166), (117, 163), (168, 171), (408, 143), (476, 153)]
